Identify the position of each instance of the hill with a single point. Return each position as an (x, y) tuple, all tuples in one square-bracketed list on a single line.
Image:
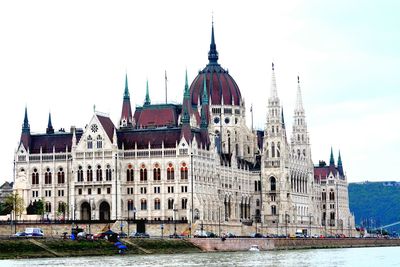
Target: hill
[(375, 203)]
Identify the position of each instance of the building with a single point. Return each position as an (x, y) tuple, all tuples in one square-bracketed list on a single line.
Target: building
[(5, 190), (197, 162)]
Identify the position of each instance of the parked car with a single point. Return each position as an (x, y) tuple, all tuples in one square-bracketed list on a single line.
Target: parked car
[(35, 232), (200, 233), (256, 235), (230, 235), (20, 234), (139, 235), (176, 236)]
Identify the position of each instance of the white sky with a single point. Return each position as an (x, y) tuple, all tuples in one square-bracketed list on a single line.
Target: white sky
[(66, 56)]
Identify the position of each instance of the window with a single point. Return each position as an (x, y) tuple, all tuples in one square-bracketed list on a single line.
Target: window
[(129, 173), (170, 204), (47, 176), (99, 142), (170, 172), (89, 174), (99, 174), (130, 205), (278, 149), (61, 207), (80, 174), (156, 190), (108, 190), (273, 150), (273, 198), (324, 196), (257, 202), (89, 142), (143, 173), (184, 203), (157, 204), (35, 177), (156, 173), (108, 173), (89, 191), (272, 181), (60, 193), (170, 189), (143, 204), (99, 191), (47, 193), (48, 207), (35, 193), (80, 191), (331, 195), (143, 190), (184, 189), (184, 172), (60, 176), (129, 190), (273, 210)]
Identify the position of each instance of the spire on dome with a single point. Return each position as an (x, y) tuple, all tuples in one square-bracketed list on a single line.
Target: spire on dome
[(147, 99), (274, 90), (299, 101), (204, 99), (186, 92), (50, 128), (185, 118), (25, 127), (331, 160), (126, 92), (213, 54)]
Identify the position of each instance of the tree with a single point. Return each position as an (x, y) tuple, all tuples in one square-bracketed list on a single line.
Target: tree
[(14, 202)]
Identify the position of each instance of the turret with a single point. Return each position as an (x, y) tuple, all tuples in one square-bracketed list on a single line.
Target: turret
[(331, 159), (126, 113)]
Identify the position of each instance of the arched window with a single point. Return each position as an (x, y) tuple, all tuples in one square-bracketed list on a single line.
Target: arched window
[(304, 152), (273, 149), (323, 196), (35, 177), (108, 173), (60, 176), (273, 129), (130, 205), (143, 204), (48, 207), (129, 173), (157, 204), (184, 171), (156, 172), (99, 174), (61, 208), (143, 173), (184, 203), (170, 204), (170, 172), (277, 129), (248, 150), (272, 181), (99, 142), (273, 210), (298, 137), (47, 176), (80, 174), (89, 142), (331, 195), (298, 153), (257, 202), (89, 174)]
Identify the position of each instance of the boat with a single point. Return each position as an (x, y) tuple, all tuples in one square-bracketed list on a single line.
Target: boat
[(254, 248)]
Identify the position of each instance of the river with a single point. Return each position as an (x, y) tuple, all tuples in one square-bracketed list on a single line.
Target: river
[(377, 256)]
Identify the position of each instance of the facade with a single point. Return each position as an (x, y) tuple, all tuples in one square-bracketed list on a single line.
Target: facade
[(196, 162)]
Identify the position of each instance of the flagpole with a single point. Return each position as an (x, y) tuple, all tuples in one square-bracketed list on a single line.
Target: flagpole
[(166, 80)]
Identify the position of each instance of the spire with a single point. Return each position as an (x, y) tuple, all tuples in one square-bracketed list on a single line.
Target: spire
[(204, 99), (213, 54), (283, 119), (331, 160), (186, 92), (126, 113), (340, 165), (126, 92), (49, 129), (25, 127), (185, 118), (274, 91), (147, 99), (299, 101)]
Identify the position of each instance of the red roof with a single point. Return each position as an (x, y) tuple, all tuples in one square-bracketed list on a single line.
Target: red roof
[(60, 142), (108, 125), (154, 116)]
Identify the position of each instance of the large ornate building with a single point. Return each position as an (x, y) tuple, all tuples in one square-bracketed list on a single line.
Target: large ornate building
[(197, 162)]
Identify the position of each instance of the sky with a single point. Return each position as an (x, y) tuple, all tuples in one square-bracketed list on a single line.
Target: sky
[(64, 57)]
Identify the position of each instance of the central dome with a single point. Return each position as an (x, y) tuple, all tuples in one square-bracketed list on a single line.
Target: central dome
[(221, 87)]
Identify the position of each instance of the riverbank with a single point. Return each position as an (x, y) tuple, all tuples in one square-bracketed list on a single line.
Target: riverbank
[(40, 248)]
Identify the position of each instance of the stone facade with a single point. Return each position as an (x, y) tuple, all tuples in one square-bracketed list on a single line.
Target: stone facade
[(197, 162)]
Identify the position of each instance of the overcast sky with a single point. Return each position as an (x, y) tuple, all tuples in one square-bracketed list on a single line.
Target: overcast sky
[(66, 56)]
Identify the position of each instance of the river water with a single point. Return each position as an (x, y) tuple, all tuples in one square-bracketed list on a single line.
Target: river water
[(379, 256)]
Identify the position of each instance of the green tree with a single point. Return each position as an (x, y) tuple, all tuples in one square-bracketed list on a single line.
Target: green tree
[(14, 202)]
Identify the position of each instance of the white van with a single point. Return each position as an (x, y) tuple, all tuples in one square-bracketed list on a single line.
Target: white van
[(33, 232)]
